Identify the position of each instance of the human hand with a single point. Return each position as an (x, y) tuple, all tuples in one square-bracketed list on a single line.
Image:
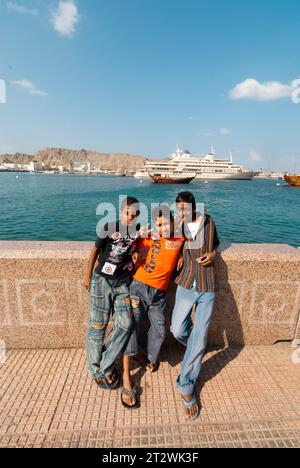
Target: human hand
[(145, 231), (207, 259), (87, 282)]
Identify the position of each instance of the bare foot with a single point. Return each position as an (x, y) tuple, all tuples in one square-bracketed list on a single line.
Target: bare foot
[(143, 361), (152, 368), (109, 379)]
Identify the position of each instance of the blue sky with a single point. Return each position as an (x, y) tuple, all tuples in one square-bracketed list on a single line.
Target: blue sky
[(140, 76)]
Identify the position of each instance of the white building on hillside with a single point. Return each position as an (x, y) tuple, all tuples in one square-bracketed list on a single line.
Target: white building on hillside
[(35, 166)]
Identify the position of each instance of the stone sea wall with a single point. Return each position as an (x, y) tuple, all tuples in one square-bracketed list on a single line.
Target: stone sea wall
[(43, 303)]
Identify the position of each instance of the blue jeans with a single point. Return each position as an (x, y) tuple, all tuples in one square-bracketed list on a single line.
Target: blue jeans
[(151, 301), (107, 297), (193, 337)]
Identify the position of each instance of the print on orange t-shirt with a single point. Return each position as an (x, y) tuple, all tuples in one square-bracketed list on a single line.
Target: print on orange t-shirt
[(161, 261)]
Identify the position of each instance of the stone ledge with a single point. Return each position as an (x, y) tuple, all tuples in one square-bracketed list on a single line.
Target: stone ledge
[(13, 249), (30, 249), (43, 303)]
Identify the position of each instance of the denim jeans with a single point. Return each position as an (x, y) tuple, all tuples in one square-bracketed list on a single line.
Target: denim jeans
[(193, 337), (107, 297), (151, 301)]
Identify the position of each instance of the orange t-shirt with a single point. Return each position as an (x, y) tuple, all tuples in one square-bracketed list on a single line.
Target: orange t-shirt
[(161, 260)]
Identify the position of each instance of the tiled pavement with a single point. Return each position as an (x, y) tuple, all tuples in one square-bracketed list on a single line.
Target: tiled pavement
[(250, 398)]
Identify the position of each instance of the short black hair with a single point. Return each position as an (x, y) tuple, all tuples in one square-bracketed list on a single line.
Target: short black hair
[(186, 197), (162, 210), (129, 201)]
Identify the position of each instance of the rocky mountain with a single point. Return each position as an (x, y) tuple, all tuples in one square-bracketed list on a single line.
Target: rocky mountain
[(64, 157), (18, 158)]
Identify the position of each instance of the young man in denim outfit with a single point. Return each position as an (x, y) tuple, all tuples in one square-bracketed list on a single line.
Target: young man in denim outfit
[(109, 292), (196, 287)]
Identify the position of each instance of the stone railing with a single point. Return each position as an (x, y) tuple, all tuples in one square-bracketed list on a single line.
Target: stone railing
[(43, 303)]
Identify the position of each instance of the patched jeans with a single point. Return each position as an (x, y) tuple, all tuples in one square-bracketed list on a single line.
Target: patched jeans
[(151, 301), (107, 297), (193, 337)]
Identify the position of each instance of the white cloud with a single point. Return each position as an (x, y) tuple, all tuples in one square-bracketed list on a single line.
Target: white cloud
[(255, 156), (17, 8), (225, 131), (268, 91), (65, 17), (2, 92), (29, 87)]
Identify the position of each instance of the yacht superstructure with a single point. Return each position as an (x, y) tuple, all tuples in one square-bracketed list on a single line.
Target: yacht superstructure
[(207, 168)]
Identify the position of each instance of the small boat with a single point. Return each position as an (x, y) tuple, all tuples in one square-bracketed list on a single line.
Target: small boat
[(293, 180), (141, 175), (172, 178), (120, 174)]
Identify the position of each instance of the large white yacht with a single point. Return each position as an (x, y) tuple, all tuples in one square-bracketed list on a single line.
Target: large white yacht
[(206, 167)]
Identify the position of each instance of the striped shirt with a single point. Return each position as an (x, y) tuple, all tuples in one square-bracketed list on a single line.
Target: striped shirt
[(206, 241)]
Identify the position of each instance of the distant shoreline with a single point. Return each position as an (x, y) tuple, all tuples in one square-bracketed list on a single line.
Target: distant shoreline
[(81, 174)]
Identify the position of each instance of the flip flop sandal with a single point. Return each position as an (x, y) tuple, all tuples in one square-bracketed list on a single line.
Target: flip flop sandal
[(189, 406), (152, 368), (104, 385), (144, 362), (129, 394), (110, 375)]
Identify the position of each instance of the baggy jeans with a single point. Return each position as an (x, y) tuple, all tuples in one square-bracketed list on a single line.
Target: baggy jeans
[(107, 297), (147, 300)]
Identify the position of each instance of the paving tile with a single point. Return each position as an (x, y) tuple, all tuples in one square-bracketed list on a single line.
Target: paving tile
[(250, 398)]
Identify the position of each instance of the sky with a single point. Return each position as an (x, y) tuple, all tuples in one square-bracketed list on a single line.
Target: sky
[(141, 76)]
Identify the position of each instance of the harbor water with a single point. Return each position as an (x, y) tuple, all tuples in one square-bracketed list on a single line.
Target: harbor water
[(63, 207)]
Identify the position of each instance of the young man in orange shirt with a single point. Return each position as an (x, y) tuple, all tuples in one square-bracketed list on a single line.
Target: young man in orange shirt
[(148, 295)]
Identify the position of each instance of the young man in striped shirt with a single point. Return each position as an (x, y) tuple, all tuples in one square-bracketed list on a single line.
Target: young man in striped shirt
[(196, 287)]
